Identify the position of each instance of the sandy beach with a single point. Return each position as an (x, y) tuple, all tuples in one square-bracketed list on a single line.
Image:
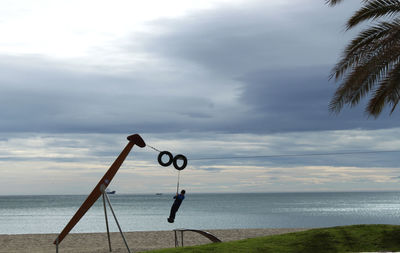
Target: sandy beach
[(137, 241)]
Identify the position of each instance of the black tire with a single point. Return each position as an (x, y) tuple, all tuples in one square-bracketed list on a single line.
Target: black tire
[(169, 156), (180, 157)]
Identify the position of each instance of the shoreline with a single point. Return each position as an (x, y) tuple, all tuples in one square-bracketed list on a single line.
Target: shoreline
[(137, 241)]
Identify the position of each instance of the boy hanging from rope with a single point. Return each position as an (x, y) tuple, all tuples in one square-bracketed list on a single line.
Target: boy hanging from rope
[(175, 206)]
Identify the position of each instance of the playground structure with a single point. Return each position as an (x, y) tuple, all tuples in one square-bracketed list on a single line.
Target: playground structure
[(210, 236), (100, 190)]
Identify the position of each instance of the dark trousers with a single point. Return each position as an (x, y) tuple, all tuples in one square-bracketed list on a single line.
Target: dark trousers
[(174, 209)]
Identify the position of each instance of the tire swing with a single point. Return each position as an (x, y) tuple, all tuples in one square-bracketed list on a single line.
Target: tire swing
[(173, 160), (160, 161)]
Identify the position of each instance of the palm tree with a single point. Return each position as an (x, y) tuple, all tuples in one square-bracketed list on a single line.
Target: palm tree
[(370, 64)]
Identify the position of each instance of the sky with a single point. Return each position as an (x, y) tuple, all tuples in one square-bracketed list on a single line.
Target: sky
[(203, 78)]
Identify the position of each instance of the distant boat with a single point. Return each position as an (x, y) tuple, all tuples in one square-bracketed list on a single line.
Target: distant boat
[(158, 193), (110, 192)]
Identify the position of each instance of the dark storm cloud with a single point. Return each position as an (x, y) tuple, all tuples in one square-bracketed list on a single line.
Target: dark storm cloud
[(281, 59), (296, 99), (239, 39)]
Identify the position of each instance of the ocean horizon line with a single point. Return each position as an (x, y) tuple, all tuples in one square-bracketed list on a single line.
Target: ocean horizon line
[(220, 193)]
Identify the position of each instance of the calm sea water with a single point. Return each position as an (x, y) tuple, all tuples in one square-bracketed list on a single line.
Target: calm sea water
[(49, 214)]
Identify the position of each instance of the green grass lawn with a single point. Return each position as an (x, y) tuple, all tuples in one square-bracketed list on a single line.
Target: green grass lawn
[(357, 238)]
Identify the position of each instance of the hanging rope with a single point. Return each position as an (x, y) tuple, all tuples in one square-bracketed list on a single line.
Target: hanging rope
[(153, 148), (177, 185)]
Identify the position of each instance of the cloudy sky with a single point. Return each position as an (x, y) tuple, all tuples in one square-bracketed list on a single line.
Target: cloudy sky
[(204, 78)]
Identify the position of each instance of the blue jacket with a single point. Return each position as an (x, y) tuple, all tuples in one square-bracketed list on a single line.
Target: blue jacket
[(178, 199)]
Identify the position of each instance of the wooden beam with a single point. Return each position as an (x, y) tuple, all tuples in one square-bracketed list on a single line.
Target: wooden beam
[(105, 180)]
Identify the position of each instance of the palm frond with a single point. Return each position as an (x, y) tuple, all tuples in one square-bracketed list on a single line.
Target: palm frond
[(375, 61), (366, 76), (370, 64), (374, 9), (362, 79), (387, 93), (367, 44)]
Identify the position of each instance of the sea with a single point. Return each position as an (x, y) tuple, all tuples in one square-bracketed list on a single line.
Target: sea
[(149, 212)]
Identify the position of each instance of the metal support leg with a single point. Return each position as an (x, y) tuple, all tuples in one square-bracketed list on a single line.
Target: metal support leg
[(57, 245), (105, 214), (119, 227), (176, 239), (182, 237)]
